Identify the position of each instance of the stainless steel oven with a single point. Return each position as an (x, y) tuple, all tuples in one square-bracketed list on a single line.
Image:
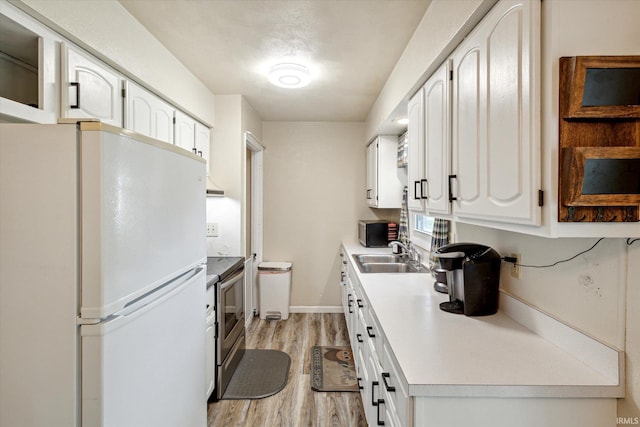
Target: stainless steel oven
[(230, 342)]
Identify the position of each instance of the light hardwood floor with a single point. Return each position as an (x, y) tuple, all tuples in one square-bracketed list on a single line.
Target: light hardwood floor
[(296, 405)]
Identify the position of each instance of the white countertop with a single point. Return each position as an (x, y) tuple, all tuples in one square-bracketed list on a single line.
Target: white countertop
[(445, 354)]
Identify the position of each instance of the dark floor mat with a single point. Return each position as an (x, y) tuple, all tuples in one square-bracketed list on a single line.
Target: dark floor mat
[(259, 374)]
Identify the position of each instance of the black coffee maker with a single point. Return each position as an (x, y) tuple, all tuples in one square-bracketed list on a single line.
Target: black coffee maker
[(473, 278)]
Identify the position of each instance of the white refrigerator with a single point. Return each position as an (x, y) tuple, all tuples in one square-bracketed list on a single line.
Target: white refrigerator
[(102, 289)]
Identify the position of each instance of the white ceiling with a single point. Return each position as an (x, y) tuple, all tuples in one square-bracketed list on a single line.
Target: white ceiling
[(351, 47)]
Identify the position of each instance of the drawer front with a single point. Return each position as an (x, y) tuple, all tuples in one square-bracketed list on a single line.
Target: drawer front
[(394, 385), (388, 411), (373, 333)]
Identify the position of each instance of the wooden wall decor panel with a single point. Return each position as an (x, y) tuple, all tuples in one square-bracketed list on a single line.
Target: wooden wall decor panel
[(595, 132)]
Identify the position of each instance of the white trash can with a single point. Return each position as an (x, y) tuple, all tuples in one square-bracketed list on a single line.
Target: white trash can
[(274, 280)]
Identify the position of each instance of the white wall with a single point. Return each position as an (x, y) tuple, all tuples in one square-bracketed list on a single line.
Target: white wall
[(443, 26), (234, 116), (315, 182), (227, 158), (106, 29)]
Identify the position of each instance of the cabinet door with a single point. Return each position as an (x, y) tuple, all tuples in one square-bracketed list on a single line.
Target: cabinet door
[(415, 167), (210, 353), (387, 184), (184, 131), (147, 114), (495, 119), (373, 411), (90, 88), (372, 173), (437, 144), (29, 66), (202, 139)]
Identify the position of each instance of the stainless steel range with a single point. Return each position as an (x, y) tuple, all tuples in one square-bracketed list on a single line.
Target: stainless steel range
[(230, 328)]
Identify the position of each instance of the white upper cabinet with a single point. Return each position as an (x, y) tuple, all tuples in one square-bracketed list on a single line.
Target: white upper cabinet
[(430, 145), (437, 144), (202, 140), (372, 181), (495, 118), (29, 64), (192, 135), (90, 88), (184, 131), (415, 166), (384, 186), (147, 113)]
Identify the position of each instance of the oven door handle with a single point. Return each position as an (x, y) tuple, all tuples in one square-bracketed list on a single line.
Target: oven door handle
[(231, 281)]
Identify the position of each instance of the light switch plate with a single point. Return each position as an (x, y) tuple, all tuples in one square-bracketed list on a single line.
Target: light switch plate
[(212, 229)]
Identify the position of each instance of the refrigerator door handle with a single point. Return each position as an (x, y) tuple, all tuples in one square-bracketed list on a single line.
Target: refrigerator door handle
[(140, 303), (159, 292), (87, 321)]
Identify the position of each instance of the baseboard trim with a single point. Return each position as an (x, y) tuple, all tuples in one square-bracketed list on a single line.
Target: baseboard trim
[(316, 309)]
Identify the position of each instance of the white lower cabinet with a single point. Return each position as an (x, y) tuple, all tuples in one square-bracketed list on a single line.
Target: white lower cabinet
[(210, 340), (384, 393), (411, 372)]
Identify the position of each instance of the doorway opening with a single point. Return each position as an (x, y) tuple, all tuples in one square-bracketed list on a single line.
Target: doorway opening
[(252, 220)]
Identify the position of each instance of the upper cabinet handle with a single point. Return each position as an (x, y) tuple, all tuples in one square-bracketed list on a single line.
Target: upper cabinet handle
[(77, 86), (451, 198), (416, 185), (422, 192)]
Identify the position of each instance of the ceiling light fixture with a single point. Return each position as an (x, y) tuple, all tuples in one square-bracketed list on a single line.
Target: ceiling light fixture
[(402, 121), (289, 75)]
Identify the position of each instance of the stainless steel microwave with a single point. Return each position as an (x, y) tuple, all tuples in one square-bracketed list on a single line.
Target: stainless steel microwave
[(373, 233)]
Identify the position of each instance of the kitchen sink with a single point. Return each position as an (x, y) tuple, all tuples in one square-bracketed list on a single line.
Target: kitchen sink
[(385, 263), (379, 258)]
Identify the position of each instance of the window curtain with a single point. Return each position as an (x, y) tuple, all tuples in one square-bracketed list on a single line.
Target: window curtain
[(439, 238), (403, 229)]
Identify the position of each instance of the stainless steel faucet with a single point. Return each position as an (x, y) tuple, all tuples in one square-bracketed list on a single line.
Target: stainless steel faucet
[(415, 258)]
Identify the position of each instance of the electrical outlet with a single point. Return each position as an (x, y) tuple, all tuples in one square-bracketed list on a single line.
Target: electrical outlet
[(212, 229), (515, 267)]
